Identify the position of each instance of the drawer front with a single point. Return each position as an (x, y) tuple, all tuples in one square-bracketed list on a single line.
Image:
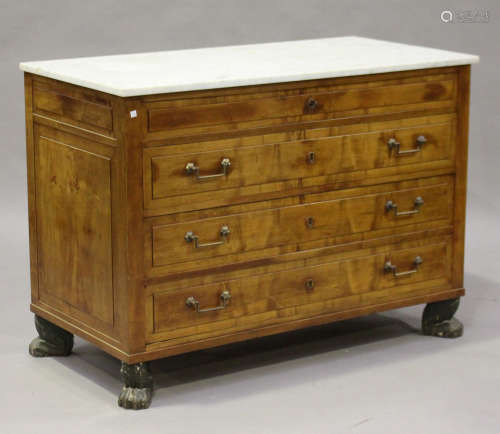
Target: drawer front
[(301, 292), (238, 110), (323, 216), (84, 108), (189, 174)]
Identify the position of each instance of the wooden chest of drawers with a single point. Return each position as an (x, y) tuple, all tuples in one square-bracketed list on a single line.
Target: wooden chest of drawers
[(166, 222)]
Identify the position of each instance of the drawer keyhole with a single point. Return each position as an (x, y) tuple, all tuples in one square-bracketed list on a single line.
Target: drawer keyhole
[(310, 284), (310, 222), (311, 105), (311, 157)]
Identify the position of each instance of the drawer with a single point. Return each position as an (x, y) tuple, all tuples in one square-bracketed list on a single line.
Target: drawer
[(240, 109), (231, 168), (83, 108), (219, 308), (319, 217)]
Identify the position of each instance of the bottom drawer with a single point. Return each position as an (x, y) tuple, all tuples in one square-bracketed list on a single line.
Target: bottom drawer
[(389, 274)]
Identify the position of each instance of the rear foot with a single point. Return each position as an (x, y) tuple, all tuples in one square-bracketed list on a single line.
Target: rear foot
[(52, 340), (137, 391), (437, 319)]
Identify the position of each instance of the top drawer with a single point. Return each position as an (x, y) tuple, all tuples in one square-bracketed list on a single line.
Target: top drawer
[(264, 106)]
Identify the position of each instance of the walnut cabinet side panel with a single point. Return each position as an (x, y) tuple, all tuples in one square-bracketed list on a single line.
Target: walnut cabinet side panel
[(76, 198)]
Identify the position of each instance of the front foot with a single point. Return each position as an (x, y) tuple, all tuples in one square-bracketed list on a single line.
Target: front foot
[(437, 319), (137, 391), (135, 398), (52, 340)]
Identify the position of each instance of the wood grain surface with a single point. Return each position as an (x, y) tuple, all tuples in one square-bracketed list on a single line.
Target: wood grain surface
[(110, 203)]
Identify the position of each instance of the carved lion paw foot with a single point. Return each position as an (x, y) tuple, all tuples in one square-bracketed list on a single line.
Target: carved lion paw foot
[(137, 391), (135, 398), (452, 328), (438, 320), (52, 340), (41, 348)]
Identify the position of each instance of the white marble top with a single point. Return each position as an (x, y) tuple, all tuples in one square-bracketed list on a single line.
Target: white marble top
[(241, 65)]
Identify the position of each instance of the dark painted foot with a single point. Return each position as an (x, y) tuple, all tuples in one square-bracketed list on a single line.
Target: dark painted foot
[(52, 340), (438, 320), (138, 386)]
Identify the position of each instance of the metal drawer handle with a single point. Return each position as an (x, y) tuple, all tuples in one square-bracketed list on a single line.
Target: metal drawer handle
[(195, 304), (193, 169), (390, 205), (394, 144), (190, 237), (389, 268)]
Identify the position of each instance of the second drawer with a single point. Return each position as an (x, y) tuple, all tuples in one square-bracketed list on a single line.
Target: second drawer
[(319, 217), (222, 172)]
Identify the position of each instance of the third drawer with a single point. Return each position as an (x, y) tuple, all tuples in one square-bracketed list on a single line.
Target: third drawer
[(324, 218)]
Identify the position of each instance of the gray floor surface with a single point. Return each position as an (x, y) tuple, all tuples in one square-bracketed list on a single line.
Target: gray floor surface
[(375, 374)]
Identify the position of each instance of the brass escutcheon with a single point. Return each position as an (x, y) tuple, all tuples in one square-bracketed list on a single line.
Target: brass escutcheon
[(309, 284), (310, 222)]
